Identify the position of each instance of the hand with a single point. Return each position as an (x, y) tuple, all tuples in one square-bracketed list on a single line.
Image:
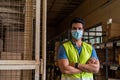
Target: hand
[(72, 64), (91, 61)]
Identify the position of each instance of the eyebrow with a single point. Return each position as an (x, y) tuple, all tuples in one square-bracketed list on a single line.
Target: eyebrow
[(76, 28)]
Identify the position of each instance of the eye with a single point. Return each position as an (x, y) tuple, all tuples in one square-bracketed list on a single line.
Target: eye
[(74, 28), (79, 28)]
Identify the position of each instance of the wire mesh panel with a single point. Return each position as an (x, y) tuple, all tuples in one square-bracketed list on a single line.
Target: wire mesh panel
[(16, 28), (17, 33), (15, 75)]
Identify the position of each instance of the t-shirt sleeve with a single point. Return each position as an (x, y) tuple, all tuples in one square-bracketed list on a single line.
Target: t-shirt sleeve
[(62, 53), (94, 54)]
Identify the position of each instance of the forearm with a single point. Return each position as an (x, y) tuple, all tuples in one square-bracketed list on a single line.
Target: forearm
[(94, 68), (70, 70)]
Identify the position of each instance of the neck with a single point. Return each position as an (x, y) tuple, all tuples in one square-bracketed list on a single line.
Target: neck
[(77, 42)]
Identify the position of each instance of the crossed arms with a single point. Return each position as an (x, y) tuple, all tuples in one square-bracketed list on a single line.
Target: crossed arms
[(66, 67)]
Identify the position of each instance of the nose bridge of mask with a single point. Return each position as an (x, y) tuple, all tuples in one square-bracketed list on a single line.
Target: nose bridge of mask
[(79, 30), (77, 34)]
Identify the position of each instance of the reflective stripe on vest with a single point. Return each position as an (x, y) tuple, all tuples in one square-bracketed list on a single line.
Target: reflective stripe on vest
[(74, 57), (76, 78)]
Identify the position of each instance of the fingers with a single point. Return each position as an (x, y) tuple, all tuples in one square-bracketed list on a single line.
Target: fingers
[(72, 64), (91, 60)]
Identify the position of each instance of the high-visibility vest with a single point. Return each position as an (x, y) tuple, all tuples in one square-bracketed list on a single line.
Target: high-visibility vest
[(74, 57)]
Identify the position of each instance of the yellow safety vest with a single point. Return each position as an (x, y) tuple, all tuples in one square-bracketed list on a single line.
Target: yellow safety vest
[(74, 57)]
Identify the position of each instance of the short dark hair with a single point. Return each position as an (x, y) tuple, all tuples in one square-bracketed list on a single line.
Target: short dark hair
[(77, 20)]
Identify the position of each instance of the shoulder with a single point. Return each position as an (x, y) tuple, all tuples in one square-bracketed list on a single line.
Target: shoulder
[(86, 44), (66, 42)]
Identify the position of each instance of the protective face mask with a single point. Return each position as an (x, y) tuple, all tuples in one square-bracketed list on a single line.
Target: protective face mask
[(77, 34)]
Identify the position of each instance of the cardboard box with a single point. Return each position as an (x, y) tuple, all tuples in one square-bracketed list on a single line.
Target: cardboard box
[(113, 30)]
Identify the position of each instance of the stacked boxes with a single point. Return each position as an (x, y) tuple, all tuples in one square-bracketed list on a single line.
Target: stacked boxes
[(113, 30)]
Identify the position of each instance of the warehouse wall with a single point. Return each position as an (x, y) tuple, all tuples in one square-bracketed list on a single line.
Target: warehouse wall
[(51, 31), (94, 12), (104, 13)]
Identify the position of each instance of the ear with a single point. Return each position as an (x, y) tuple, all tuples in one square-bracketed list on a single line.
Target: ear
[(83, 30)]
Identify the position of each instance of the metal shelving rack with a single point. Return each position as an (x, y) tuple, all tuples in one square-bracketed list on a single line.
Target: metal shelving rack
[(111, 67), (53, 69)]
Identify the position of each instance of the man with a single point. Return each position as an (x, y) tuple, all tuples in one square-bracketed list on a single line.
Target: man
[(77, 59)]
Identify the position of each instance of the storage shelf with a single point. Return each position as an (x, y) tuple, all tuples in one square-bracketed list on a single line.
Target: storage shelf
[(111, 66), (113, 79), (109, 58)]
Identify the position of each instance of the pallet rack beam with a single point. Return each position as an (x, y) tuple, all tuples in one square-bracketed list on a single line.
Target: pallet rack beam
[(18, 64)]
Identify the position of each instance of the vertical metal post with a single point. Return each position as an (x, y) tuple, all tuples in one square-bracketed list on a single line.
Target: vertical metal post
[(28, 29), (37, 40), (44, 14), (28, 32), (106, 60)]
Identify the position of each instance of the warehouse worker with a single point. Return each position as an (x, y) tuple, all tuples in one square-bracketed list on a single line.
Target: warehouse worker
[(77, 60)]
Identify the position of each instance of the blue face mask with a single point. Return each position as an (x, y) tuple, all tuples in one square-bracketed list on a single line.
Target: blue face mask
[(77, 34)]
